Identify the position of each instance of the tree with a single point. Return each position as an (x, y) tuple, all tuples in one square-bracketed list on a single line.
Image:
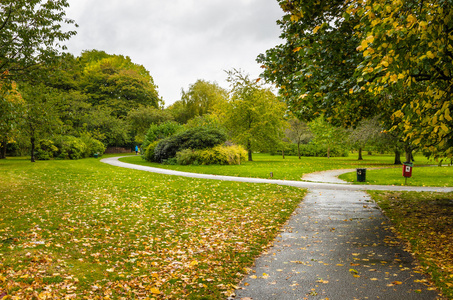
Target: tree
[(254, 115), (314, 69), (298, 133), (30, 35), (40, 116), (118, 83), (11, 104), (406, 48), (366, 132), (141, 118), (201, 98), (327, 134), (106, 127)]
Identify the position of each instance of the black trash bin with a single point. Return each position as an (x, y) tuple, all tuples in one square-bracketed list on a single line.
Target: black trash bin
[(361, 175)]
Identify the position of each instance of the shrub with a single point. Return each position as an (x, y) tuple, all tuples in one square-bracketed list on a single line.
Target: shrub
[(148, 154), (194, 138), (221, 155), (45, 150), (93, 146), (70, 147), (161, 131)]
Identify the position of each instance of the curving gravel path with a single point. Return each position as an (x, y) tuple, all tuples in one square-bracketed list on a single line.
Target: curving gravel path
[(337, 245)]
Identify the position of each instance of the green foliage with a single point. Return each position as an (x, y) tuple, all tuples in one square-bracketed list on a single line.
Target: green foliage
[(160, 131), (93, 146), (31, 35), (141, 118), (118, 83), (110, 130), (219, 155), (148, 154), (355, 60), (314, 69), (70, 147), (201, 98), (254, 116), (194, 138), (45, 150)]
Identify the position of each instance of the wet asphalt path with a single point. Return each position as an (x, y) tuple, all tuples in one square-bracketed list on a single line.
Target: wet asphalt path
[(337, 245)]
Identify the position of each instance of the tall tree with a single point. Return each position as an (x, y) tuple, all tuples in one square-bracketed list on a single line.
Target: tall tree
[(201, 98), (118, 83), (254, 115), (40, 117), (141, 118), (298, 132), (314, 68), (11, 104), (30, 35), (367, 132), (407, 48)]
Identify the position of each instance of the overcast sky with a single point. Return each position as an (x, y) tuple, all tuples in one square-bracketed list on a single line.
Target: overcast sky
[(179, 41)]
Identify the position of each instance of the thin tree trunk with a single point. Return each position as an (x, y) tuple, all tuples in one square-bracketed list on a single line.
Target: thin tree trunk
[(397, 158), (32, 141), (283, 154), (408, 151), (328, 151), (298, 149), (3, 148), (249, 150), (360, 154)]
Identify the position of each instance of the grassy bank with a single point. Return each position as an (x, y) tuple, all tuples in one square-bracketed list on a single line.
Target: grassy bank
[(424, 221), (85, 229), (289, 168)]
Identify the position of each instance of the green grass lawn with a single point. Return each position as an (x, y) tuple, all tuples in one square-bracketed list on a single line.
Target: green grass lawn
[(421, 176), (83, 229), (291, 168), (86, 230)]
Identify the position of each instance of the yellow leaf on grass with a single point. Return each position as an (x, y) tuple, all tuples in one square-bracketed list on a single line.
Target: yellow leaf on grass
[(155, 291)]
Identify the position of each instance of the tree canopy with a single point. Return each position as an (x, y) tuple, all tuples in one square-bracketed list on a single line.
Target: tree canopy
[(30, 35), (355, 60), (254, 115)]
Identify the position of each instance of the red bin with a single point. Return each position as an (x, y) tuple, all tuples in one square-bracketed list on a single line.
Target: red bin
[(407, 169)]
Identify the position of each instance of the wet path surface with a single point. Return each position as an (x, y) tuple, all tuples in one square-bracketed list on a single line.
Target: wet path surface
[(336, 245)]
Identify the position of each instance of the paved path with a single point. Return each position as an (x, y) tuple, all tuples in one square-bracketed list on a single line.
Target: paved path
[(302, 184), (337, 245)]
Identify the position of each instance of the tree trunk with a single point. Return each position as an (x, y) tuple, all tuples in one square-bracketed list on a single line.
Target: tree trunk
[(408, 151), (3, 148), (298, 149), (328, 151), (283, 154), (397, 158), (249, 150), (32, 141), (360, 154)]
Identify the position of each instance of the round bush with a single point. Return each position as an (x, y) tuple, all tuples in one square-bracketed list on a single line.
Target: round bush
[(220, 155), (148, 154), (70, 147), (45, 150), (93, 146), (194, 138)]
